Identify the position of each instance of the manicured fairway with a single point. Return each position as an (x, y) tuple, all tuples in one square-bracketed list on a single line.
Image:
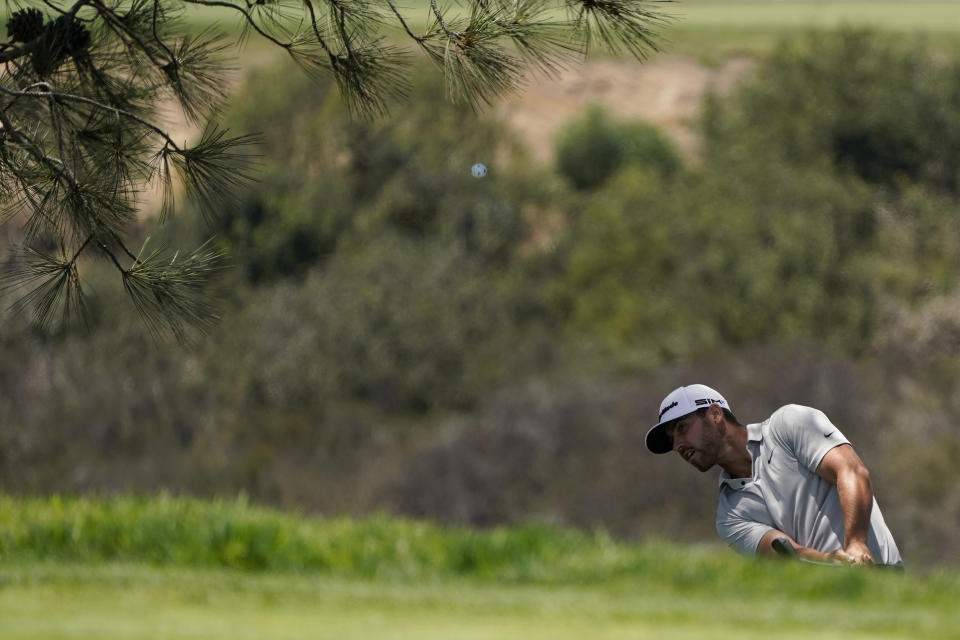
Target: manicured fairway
[(44, 601), (765, 15), (755, 15), (720, 27), (705, 27)]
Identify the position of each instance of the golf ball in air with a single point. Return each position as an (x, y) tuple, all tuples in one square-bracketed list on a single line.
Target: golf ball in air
[(478, 170)]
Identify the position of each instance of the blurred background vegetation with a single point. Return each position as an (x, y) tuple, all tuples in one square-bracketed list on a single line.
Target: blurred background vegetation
[(399, 337)]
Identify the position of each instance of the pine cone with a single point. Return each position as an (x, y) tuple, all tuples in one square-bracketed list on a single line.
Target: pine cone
[(25, 25), (66, 36), (77, 37), (63, 37)]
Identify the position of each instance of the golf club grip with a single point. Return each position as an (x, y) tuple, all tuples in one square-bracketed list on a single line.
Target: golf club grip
[(783, 547)]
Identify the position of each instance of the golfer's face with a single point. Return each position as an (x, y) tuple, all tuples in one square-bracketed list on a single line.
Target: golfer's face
[(695, 441)]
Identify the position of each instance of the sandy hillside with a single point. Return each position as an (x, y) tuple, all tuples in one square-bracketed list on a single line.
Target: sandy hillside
[(665, 91)]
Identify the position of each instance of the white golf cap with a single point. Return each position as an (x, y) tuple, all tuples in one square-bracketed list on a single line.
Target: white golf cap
[(678, 403)]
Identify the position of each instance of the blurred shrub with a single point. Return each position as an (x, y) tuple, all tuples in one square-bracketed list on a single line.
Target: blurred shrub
[(720, 257), (855, 101), (294, 215), (326, 176), (398, 322), (374, 279), (647, 146), (822, 203), (593, 147)]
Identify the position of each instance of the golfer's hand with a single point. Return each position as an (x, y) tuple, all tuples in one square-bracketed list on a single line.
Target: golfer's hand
[(855, 553)]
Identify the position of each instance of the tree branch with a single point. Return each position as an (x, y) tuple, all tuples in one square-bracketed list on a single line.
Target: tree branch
[(453, 35), (106, 107), (246, 14), (403, 23), (117, 26), (313, 25)]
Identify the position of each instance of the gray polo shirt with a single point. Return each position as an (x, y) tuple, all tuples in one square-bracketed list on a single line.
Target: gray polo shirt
[(785, 492)]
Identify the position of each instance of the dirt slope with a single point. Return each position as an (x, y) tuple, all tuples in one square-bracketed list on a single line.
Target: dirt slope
[(665, 91)]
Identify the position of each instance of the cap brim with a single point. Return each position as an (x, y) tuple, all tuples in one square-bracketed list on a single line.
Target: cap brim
[(657, 439)]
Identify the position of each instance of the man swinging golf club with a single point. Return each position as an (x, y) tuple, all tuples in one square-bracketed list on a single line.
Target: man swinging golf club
[(792, 476)]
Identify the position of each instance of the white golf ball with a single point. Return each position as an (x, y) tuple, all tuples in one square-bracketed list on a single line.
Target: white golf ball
[(478, 170)]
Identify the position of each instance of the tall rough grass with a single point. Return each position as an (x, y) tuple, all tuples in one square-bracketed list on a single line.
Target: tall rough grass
[(234, 534), (168, 530)]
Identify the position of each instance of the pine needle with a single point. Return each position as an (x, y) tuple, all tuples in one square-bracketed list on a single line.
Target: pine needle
[(171, 292), (633, 25), (196, 74), (213, 171), (53, 290)]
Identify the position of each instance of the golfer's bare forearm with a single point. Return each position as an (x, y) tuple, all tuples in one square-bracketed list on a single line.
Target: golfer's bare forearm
[(842, 467), (856, 500)]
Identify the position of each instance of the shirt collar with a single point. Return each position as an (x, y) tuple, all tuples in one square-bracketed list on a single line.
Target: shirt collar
[(754, 434)]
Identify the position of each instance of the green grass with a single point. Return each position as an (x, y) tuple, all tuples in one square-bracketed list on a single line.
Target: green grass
[(769, 15), (746, 14), (718, 27), (169, 531), (722, 27), (45, 601), (177, 568)]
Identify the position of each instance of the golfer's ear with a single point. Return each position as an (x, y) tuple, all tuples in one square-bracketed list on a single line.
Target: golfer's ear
[(715, 412)]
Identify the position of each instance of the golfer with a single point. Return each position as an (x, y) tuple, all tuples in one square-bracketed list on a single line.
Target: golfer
[(793, 475)]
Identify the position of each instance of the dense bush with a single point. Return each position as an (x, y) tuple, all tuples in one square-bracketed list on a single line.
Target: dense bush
[(595, 146), (386, 323), (852, 101), (326, 177), (722, 257), (789, 229)]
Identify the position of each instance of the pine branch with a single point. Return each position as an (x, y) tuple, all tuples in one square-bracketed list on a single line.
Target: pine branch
[(354, 19), (212, 171), (196, 76), (54, 292), (369, 77), (633, 25), (403, 23), (545, 44), (47, 182), (476, 68), (122, 150), (171, 292), (249, 15), (80, 81), (141, 28), (44, 92), (73, 191), (275, 17)]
